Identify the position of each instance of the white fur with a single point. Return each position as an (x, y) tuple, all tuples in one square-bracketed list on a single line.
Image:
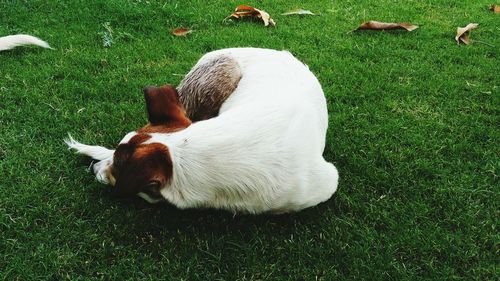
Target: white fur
[(94, 151), (264, 150), (12, 41)]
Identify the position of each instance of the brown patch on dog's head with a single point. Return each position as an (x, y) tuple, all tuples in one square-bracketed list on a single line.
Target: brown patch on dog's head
[(139, 167), (165, 112)]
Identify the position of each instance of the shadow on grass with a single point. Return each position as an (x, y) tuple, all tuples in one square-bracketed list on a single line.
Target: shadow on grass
[(163, 231), (133, 221), (166, 216)]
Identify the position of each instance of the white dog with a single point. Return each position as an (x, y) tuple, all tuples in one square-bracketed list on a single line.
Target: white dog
[(259, 151)]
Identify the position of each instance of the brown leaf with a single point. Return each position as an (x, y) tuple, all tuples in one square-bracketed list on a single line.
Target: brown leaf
[(463, 33), (248, 11), (298, 12), (376, 25), (495, 9), (181, 31), (244, 11)]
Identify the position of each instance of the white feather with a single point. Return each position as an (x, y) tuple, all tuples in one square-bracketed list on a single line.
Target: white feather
[(12, 41)]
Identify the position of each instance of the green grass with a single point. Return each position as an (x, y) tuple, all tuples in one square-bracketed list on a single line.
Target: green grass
[(414, 132)]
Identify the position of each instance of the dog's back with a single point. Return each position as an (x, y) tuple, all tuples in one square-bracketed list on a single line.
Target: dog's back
[(263, 152)]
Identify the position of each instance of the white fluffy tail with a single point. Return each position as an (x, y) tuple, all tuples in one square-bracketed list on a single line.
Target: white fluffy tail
[(12, 41), (94, 151)]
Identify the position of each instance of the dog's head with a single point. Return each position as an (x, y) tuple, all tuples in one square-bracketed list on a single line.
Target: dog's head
[(140, 166)]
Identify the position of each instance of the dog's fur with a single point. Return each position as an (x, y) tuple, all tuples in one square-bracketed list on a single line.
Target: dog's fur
[(208, 85), (261, 152), (12, 41)]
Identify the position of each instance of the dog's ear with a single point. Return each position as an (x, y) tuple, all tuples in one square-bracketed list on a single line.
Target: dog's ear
[(162, 104), (125, 150), (122, 153)]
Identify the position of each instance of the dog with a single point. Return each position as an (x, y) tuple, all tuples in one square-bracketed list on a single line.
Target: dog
[(244, 131), (12, 41)]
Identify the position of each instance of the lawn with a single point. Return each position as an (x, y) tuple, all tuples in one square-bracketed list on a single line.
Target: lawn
[(413, 131)]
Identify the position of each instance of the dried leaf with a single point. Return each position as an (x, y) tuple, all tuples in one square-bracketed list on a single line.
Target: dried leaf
[(298, 12), (181, 31), (376, 25), (495, 9), (463, 33), (248, 11)]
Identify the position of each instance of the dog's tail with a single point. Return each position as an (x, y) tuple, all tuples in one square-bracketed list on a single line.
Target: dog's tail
[(93, 151), (12, 41)]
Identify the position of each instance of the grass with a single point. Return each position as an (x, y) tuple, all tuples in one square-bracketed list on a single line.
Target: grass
[(413, 131)]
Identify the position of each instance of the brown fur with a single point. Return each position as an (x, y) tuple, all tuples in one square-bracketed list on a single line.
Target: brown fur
[(135, 164), (207, 86), (139, 138), (149, 128), (137, 167), (200, 96), (165, 112)]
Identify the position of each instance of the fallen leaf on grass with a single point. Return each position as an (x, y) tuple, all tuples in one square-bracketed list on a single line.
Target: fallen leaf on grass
[(181, 31), (495, 9), (463, 33), (376, 25), (248, 11), (298, 12)]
